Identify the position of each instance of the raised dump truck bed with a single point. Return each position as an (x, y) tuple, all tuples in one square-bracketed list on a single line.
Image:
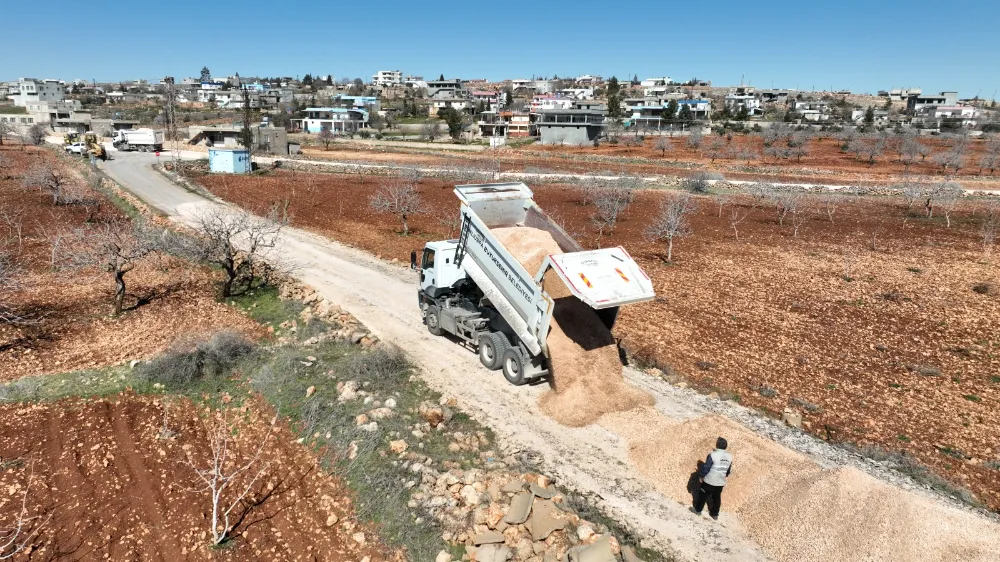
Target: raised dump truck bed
[(476, 289)]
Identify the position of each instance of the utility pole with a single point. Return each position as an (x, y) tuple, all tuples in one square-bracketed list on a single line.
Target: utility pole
[(170, 122)]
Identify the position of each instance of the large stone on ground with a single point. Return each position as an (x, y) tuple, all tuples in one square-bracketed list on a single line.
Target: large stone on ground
[(544, 493), (629, 555), (487, 537), (543, 520), (600, 551), (433, 413), (519, 508), (514, 486), (493, 553)]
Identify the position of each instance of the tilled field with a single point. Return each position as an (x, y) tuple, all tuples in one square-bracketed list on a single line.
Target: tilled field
[(868, 325), (109, 479), (71, 324)]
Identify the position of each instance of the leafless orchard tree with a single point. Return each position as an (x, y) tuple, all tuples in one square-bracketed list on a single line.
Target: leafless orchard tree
[(664, 145), (632, 141), (228, 477), (799, 215), (715, 149), (694, 140), (910, 193), (449, 220), (429, 131), (13, 219), (849, 259), (35, 134), (47, 178), (868, 147), (948, 194), (910, 151), (990, 160), (830, 203), (738, 214), (761, 191), (9, 283), (115, 247), (672, 220), (236, 241), (610, 201), (398, 197), (721, 200), (785, 202), (988, 230), (7, 129), (326, 137), (955, 156), (24, 527)]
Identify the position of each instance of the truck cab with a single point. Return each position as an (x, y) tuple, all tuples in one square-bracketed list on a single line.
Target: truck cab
[(438, 271)]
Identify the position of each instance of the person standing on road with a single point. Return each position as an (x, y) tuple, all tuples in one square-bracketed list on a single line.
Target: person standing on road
[(713, 474)]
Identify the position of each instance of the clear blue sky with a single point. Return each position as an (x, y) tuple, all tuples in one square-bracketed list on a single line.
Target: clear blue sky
[(862, 45)]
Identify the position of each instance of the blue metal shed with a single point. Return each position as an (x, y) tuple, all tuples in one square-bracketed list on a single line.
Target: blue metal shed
[(229, 160)]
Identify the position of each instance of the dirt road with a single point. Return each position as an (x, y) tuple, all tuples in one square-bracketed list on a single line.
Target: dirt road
[(597, 460)]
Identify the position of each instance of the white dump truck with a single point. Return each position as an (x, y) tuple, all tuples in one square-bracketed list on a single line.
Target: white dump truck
[(143, 140), (476, 290)]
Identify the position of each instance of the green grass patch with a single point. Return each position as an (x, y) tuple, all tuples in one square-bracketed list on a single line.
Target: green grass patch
[(93, 383), (266, 306), (972, 398), (13, 109), (903, 438)]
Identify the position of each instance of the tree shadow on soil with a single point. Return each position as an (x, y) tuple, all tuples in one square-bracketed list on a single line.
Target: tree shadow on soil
[(280, 489)]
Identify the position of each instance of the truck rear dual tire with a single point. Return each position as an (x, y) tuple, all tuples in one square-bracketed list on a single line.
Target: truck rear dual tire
[(513, 366), (492, 347)]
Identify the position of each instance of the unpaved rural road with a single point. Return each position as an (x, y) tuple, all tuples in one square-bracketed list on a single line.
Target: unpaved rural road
[(592, 460)]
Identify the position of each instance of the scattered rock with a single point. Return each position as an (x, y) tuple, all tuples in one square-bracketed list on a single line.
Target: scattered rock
[(443, 556), (370, 427), (544, 493), (792, 418), (332, 520), (310, 391), (487, 537), (584, 532), (434, 414), (380, 413), (600, 551), (349, 391), (519, 508), (390, 402), (356, 337), (352, 451), (397, 446), (133, 363), (492, 553), (543, 520), (358, 538), (470, 495), (514, 486)]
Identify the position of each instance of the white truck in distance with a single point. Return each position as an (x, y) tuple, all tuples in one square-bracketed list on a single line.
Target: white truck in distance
[(476, 290), (143, 140)]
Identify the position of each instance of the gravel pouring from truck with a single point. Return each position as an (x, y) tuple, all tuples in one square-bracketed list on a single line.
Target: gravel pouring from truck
[(475, 289)]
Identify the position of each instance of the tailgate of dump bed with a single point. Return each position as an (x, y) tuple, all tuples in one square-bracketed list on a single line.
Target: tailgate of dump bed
[(601, 278)]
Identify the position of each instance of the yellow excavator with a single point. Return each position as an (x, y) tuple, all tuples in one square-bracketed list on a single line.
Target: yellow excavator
[(94, 146), (70, 138)]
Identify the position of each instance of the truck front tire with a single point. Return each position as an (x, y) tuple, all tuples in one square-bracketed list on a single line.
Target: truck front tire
[(513, 366), (492, 347), (433, 320)]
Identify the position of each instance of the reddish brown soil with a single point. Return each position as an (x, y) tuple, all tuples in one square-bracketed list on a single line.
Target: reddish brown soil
[(825, 164), (108, 485), (774, 310), (74, 328)]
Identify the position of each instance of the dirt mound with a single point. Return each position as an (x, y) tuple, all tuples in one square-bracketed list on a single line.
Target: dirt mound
[(668, 453), (587, 377), (845, 514)]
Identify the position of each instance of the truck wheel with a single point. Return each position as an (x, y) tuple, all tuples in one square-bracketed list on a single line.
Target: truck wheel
[(433, 320), (492, 346), (513, 367)]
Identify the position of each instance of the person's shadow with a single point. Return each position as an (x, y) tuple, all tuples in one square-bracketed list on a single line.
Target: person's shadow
[(693, 485)]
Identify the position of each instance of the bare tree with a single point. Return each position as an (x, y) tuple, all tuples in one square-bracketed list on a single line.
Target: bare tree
[(990, 160), (36, 134), (115, 247), (610, 201), (800, 214), (228, 477), (9, 283), (236, 241), (672, 220), (429, 131), (910, 150), (449, 220), (738, 214), (911, 193), (13, 219), (830, 203), (988, 230), (632, 141), (785, 202), (24, 527), (47, 178), (664, 145), (326, 137), (868, 146), (7, 129), (948, 195), (398, 197), (700, 182), (721, 201), (955, 156), (694, 140), (715, 149)]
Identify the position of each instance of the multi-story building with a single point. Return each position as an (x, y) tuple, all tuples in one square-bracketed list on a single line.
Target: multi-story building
[(570, 126), (446, 88), (32, 90), (334, 119), (916, 102), (387, 78)]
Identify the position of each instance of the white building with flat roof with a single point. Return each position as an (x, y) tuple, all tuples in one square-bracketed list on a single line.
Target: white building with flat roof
[(387, 78), (32, 90)]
